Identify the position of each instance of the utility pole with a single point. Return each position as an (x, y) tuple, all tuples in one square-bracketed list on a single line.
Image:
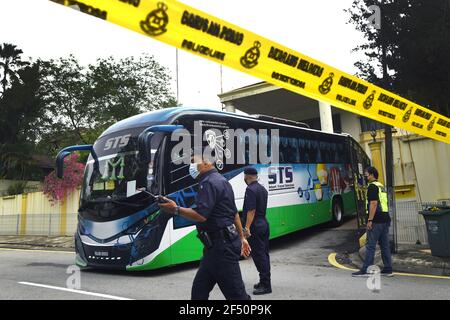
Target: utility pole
[(177, 75), (388, 146)]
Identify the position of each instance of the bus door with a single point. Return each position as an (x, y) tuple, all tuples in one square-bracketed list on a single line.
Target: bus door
[(359, 161)]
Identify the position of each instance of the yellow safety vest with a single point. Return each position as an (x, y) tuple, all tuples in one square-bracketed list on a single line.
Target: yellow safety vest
[(382, 195)]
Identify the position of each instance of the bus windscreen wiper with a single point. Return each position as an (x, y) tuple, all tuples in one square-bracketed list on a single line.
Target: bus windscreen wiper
[(157, 198), (111, 200)]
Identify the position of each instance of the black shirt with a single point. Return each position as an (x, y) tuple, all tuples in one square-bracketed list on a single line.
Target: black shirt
[(255, 199), (372, 195), (215, 201)]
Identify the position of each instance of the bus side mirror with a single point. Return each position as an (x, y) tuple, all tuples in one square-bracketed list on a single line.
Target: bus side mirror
[(60, 163), (145, 139), (145, 145), (66, 151)]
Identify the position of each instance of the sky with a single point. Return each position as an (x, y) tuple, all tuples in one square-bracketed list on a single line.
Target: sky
[(317, 28)]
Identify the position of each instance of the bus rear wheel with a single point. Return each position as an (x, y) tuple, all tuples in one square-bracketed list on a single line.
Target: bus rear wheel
[(337, 213)]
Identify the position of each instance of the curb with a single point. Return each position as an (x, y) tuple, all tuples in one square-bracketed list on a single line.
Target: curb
[(333, 260)]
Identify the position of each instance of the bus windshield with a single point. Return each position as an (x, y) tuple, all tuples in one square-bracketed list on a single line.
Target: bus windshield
[(110, 189)]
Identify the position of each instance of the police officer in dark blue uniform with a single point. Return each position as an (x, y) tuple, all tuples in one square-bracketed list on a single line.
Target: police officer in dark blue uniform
[(257, 229), (219, 229)]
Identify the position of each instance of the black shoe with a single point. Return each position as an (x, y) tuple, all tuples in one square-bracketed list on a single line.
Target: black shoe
[(258, 285), (262, 290), (361, 274), (386, 273)]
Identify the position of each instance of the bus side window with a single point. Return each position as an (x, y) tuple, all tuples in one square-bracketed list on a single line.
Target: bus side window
[(293, 143), (301, 150), (284, 150)]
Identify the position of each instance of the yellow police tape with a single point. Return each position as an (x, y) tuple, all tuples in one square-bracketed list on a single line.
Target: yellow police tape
[(184, 27)]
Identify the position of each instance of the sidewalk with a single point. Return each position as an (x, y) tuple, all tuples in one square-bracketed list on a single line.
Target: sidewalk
[(409, 259), (61, 243)]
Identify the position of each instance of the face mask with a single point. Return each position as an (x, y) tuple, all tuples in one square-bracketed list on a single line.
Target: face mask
[(193, 170)]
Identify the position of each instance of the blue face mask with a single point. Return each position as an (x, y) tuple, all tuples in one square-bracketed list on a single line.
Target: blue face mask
[(193, 170)]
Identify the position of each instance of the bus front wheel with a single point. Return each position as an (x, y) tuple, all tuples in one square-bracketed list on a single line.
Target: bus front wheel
[(337, 212)]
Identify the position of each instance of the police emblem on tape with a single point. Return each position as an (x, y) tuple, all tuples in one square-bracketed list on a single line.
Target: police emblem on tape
[(326, 85), (431, 124), (407, 115), (251, 57), (368, 103), (156, 22)]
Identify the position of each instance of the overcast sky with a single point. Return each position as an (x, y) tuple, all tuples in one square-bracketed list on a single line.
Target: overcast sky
[(316, 28)]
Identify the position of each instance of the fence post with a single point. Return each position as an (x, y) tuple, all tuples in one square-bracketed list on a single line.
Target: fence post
[(49, 224), (23, 218), (63, 217), (18, 223)]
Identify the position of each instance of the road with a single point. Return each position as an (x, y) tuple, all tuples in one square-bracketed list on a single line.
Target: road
[(300, 270)]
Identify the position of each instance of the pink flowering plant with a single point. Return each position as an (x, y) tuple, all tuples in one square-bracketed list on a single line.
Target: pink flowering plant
[(56, 189)]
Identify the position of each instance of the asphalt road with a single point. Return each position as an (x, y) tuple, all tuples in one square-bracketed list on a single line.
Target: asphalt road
[(300, 270)]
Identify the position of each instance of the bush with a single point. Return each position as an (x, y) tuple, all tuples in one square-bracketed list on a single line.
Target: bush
[(56, 189), (16, 188)]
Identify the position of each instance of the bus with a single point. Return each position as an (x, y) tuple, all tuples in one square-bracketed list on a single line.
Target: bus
[(318, 179)]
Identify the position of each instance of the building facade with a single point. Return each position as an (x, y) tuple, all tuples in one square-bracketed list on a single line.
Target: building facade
[(420, 164)]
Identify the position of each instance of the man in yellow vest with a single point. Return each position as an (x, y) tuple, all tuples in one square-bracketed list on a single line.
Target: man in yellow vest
[(378, 224)]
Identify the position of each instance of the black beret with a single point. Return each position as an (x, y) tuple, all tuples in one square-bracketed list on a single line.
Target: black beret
[(251, 171)]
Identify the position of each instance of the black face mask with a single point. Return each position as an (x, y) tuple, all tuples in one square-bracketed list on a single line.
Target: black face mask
[(366, 180)]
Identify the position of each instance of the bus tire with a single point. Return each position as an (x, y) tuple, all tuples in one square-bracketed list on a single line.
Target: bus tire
[(337, 212)]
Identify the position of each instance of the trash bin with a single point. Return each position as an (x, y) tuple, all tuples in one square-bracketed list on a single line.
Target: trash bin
[(437, 220)]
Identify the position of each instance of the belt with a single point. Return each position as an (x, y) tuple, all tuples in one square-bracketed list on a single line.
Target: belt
[(218, 235), (221, 233)]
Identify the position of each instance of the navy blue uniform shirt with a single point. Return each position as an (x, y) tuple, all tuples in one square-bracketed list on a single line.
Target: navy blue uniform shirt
[(215, 201), (255, 199)]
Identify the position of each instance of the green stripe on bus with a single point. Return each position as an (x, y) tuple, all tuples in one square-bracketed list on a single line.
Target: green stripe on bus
[(282, 220)]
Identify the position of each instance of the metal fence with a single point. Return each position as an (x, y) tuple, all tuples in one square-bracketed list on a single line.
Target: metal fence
[(411, 228), (45, 224)]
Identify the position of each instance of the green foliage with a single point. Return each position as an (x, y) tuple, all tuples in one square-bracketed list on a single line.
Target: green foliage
[(16, 188), (84, 101), (22, 116), (10, 62), (48, 105), (410, 53)]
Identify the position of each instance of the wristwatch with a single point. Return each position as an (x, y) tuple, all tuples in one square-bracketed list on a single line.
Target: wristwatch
[(177, 211)]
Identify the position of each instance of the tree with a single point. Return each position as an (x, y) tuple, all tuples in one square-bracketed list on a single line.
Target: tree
[(22, 116), (410, 53), (10, 63), (56, 189), (85, 101)]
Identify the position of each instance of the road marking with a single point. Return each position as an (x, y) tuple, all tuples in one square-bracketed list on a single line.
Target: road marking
[(37, 250), (333, 262), (101, 295)]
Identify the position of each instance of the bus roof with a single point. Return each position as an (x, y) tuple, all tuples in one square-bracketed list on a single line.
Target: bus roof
[(161, 116), (165, 116)]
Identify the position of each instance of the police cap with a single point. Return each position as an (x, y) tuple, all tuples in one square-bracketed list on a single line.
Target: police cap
[(251, 171)]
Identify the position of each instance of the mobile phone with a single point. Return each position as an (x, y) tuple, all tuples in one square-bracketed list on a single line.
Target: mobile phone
[(157, 198)]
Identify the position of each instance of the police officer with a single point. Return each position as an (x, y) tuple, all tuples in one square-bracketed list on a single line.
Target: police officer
[(257, 229), (219, 229), (378, 225)]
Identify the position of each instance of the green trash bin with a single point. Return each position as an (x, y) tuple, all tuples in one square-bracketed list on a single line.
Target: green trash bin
[(437, 220)]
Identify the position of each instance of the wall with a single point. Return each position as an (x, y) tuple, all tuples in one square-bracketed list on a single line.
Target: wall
[(429, 158), (30, 187), (34, 214), (350, 124)]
